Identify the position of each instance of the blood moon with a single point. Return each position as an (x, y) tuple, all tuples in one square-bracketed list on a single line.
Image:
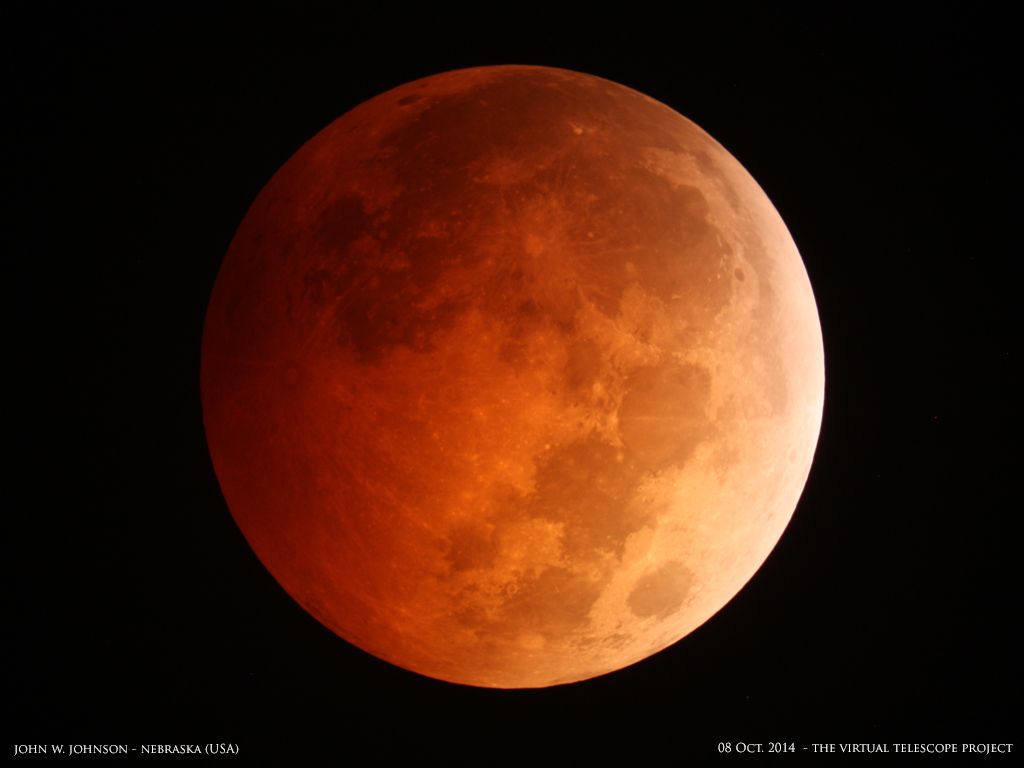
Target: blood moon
[(512, 376)]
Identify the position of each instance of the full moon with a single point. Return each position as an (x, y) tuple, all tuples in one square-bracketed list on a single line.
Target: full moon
[(512, 376)]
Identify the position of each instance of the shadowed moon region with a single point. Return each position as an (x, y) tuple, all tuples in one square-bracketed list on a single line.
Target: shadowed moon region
[(512, 376)]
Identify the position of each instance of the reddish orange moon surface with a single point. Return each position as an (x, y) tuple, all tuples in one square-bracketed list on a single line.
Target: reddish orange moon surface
[(512, 376)]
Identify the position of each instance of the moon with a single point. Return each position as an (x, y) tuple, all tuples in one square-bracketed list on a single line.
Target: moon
[(512, 376)]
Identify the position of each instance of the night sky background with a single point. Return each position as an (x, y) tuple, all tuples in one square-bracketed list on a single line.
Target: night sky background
[(133, 144)]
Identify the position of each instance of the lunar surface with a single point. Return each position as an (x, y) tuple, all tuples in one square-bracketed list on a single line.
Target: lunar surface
[(512, 376)]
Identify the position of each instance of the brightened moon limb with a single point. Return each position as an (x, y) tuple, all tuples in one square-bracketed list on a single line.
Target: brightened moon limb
[(512, 376)]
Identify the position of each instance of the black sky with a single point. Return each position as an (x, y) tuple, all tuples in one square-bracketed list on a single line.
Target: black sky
[(134, 143)]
